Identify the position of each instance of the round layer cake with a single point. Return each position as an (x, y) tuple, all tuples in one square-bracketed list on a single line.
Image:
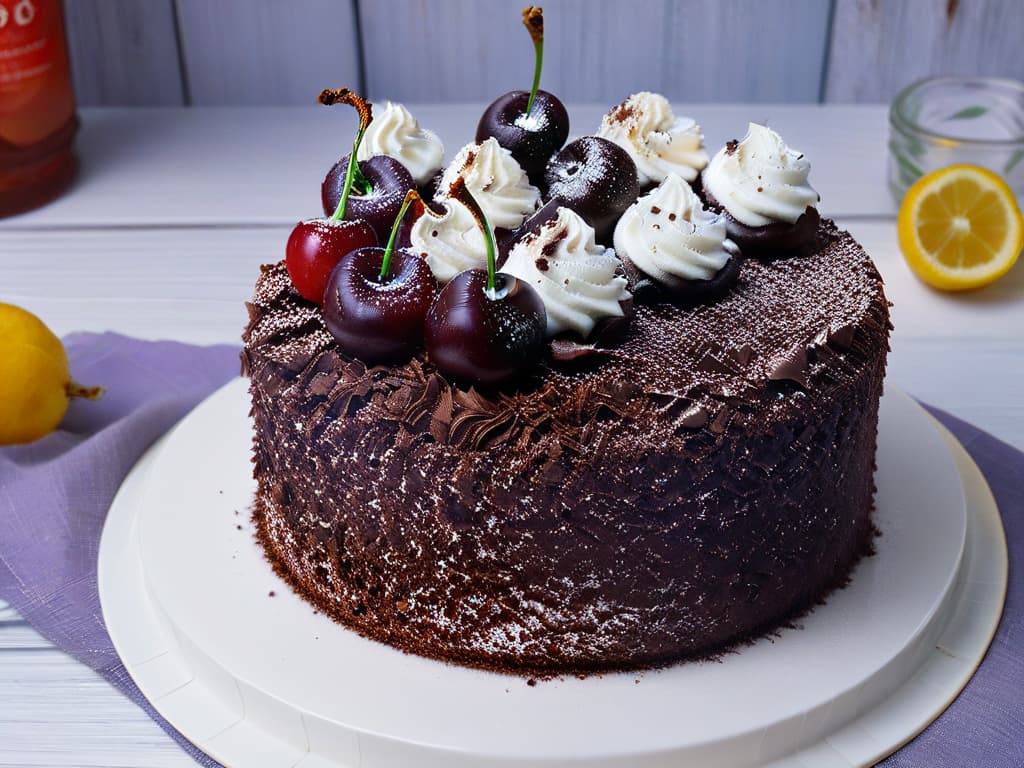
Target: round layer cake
[(701, 482)]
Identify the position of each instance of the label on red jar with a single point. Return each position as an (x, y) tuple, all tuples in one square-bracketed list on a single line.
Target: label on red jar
[(35, 82)]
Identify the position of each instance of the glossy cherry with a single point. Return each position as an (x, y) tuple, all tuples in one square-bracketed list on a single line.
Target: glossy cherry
[(533, 124), (315, 246), (377, 299), (485, 327), (597, 179), (376, 195)]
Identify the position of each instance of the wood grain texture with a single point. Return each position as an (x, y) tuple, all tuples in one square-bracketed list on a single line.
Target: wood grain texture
[(267, 51), (123, 52), (57, 712), (264, 166), (878, 48), (8, 615), (597, 50)]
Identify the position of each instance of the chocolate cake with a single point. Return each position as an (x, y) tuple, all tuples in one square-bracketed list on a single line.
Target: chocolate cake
[(699, 483)]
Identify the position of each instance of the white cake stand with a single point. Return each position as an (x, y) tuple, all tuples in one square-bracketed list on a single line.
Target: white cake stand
[(259, 680)]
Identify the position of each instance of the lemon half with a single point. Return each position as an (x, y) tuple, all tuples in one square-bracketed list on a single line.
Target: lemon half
[(960, 228)]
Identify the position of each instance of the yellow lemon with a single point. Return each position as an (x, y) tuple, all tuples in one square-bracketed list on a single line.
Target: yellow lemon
[(35, 380), (960, 228)]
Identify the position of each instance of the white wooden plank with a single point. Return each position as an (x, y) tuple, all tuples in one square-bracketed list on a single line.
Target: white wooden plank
[(188, 285), (266, 51), (262, 166), (19, 636), (993, 312), (601, 51), (8, 615), (56, 712), (879, 48), (123, 52)]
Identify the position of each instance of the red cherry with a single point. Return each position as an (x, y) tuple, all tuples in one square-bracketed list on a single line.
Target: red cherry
[(379, 319), (316, 246), (485, 337)]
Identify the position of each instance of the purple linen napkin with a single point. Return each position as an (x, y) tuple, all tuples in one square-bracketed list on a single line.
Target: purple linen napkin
[(54, 496), (55, 493)]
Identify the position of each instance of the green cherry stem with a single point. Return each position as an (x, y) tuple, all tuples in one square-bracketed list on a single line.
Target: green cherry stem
[(458, 191), (533, 20), (328, 97), (385, 264)]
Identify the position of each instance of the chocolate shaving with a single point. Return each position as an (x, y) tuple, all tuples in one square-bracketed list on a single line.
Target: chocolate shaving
[(791, 365), (566, 350)]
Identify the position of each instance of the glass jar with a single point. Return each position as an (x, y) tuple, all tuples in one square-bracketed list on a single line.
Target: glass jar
[(948, 120), (37, 105)]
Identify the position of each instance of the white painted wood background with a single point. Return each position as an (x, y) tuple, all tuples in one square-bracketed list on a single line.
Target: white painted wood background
[(275, 52)]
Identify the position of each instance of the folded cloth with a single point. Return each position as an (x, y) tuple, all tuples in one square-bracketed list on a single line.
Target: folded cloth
[(56, 493)]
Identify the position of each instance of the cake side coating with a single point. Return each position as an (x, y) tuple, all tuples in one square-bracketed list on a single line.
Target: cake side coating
[(702, 482)]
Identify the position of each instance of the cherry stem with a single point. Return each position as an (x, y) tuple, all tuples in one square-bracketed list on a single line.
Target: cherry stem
[(74, 389), (328, 97), (533, 19), (410, 196), (459, 192)]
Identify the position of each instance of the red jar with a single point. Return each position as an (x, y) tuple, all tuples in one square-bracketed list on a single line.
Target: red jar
[(37, 105)]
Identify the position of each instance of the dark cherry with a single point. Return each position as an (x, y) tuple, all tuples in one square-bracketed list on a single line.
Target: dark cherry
[(532, 139), (486, 337), (596, 178), (533, 124), (379, 320), (388, 181), (316, 246)]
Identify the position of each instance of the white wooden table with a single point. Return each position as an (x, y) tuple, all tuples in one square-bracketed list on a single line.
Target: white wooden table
[(174, 210)]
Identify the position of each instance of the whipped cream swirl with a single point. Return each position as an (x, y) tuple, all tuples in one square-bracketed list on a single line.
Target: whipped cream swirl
[(760, 180), (577, 279), (496, 181), (659, 142), (396, 133), (450, 243), (669, 235)]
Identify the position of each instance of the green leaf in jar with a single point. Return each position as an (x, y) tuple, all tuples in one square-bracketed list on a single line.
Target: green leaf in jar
[(1015, 158), (968, 113)]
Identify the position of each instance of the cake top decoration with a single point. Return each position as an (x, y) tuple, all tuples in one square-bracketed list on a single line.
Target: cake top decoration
[(669, 236), (495, 179), (396, 133), (659, 142), (760, 180), (485, 328), (532, 124), (450, 242), (579, 281)]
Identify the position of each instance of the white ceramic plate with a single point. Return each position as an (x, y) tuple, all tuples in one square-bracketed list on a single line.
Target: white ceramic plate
[(256, 680)]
